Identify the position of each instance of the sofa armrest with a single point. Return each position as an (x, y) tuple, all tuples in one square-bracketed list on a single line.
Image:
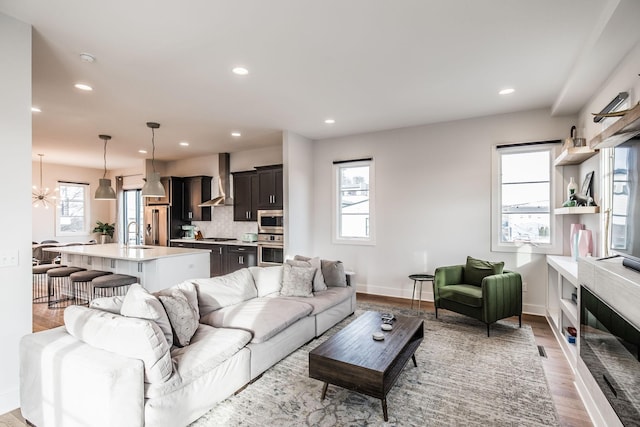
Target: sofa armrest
[(444, 276), (502, 296), (64, 381)]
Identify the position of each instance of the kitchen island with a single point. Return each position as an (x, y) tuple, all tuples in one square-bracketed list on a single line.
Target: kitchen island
[(156, 267)]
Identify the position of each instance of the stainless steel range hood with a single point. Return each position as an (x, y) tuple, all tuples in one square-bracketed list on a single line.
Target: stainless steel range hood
[(224, 184)]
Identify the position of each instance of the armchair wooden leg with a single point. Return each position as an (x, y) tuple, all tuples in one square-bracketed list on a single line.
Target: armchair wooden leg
[(520, 320), (436, 307)]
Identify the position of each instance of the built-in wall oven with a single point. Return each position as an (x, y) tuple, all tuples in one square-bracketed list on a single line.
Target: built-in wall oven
[(270, 249), (270, 221)]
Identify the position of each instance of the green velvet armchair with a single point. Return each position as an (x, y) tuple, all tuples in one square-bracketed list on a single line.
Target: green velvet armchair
[(492, 297)]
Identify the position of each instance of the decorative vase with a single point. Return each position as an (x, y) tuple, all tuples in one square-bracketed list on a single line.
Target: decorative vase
[(572, 187), (573, 239), (104, 238), (585, 243)]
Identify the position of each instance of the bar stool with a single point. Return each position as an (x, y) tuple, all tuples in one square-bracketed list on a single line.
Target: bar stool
[(112, 285), (59, 286), (81, 283), (419, 278), (39, 280)]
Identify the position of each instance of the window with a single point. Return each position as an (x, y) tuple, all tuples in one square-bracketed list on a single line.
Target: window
[(524, 194), (354, 196), (72, 211), (132, 208)]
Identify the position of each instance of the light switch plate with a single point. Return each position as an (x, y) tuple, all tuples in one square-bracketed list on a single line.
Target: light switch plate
[(9, 258)]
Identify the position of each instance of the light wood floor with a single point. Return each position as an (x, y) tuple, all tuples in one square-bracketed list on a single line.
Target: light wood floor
[(559, 375)]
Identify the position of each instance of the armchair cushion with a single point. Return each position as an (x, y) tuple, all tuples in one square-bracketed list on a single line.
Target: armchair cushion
[(477, 269), (464, 294)]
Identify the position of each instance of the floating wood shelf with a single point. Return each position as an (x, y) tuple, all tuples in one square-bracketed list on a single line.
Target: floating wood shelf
[(574, 156), (577, 210), (625, 128)]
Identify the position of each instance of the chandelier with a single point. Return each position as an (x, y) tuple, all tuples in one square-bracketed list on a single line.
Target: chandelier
[(42, 196)]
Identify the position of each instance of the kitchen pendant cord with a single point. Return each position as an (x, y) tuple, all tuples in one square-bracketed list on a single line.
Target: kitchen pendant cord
[(153, 149), (40, 170), (104, 175)]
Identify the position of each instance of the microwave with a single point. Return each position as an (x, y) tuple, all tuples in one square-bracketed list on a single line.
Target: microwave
[(270, 221)]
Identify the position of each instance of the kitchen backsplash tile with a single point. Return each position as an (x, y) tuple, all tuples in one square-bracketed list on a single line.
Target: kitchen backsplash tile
[(223, 225)]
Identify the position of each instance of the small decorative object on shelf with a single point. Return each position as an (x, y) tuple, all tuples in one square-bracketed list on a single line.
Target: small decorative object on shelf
[(573, 239), (572, 187), (585, 243)]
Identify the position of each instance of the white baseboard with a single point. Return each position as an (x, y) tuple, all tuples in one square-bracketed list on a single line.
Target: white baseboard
[(9, 400)]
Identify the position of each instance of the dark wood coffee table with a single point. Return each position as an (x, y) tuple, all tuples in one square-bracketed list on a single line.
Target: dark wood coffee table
[(354, 360)]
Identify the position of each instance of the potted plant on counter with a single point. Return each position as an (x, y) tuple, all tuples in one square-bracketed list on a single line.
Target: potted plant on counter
[(105, 229)]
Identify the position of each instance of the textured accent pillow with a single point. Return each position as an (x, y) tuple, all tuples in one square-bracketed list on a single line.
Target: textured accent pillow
[(297, 281), (138, 302), (333, 272), (318, 278), (183, 317), (189, 290), (476, 269)]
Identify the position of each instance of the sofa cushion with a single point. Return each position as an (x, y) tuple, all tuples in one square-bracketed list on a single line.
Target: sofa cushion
[(268, 280), (470, 295), (297, 280), (209, 348), (223, 291), (333, 272), (324, 300), (128, 336), (111, 304), (138, 302), (318, 277), (263, 317), (188, 289), (182, 315), (475, 270)]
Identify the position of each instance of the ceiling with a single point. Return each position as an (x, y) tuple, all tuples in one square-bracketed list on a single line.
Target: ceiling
[(369, 64)]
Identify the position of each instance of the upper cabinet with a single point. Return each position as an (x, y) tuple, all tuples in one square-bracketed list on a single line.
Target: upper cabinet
[(245, 196), (270, 187), (197, 189)]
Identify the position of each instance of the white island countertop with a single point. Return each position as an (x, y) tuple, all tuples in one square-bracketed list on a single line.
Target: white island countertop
[(138, 253)]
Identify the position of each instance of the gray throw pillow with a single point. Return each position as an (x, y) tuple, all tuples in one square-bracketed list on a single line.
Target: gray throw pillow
[(183, 317), (297, 281), (318, 277), (333, 273)]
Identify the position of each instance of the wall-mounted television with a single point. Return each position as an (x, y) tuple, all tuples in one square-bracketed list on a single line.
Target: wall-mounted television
[(625, 208)]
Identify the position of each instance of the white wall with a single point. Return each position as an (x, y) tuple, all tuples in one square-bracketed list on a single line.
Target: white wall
[(15, 215), (44, 224), (433, 200), (298, 193)]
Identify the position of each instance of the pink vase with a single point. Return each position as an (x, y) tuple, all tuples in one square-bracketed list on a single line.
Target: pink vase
[(585, 243), (575, 228)]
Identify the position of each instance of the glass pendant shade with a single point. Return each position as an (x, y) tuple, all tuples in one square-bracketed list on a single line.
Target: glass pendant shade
[(105, 191), (153, 187)]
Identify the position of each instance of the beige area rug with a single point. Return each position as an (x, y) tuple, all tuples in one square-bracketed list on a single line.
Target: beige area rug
[(463, 378)]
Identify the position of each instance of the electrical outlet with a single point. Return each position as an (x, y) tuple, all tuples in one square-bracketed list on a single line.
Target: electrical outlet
[(9, 259), (525, 287)]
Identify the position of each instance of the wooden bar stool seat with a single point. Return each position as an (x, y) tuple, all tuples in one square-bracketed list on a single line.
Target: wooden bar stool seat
[(112, 285), (81, 281), (60, 289)]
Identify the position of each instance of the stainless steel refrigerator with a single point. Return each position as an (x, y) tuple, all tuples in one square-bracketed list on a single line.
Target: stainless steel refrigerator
[(160, 225)]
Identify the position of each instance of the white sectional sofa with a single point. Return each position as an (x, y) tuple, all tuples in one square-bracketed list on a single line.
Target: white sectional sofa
[(104, 368)]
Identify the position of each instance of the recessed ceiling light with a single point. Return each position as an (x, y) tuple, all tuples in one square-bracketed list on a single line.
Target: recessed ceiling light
[(36, 110), (184, 143), (330, 121), (236, 134), (507, 91), (240, 71), (142, 151), (87, 57), (83, 86)]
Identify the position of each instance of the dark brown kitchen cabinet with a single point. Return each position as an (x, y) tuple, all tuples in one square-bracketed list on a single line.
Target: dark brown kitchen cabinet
[(241, 257), (270, 187), (197, 189), (183, 245), (245, 196), (217, 259)]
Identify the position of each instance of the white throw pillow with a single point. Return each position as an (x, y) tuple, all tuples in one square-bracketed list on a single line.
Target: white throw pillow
[(182, 315), (297, 281), (268, 279), (111, 304), (138, 302)]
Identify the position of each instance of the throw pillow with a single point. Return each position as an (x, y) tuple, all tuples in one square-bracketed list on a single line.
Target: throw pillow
[(138, 302), (183, 317), (189, 290), (333, 272), (318, 279), (475, 270), (297, 281), (268, 279)]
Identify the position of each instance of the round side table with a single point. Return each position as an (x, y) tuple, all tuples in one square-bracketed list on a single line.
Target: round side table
[(419, 278)]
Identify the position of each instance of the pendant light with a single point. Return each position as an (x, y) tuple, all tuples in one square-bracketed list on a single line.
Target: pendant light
[(105, 191), (41, 196), (152, 186)]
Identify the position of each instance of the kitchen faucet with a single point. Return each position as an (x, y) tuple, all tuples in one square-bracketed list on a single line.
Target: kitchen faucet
[(126, 241)]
